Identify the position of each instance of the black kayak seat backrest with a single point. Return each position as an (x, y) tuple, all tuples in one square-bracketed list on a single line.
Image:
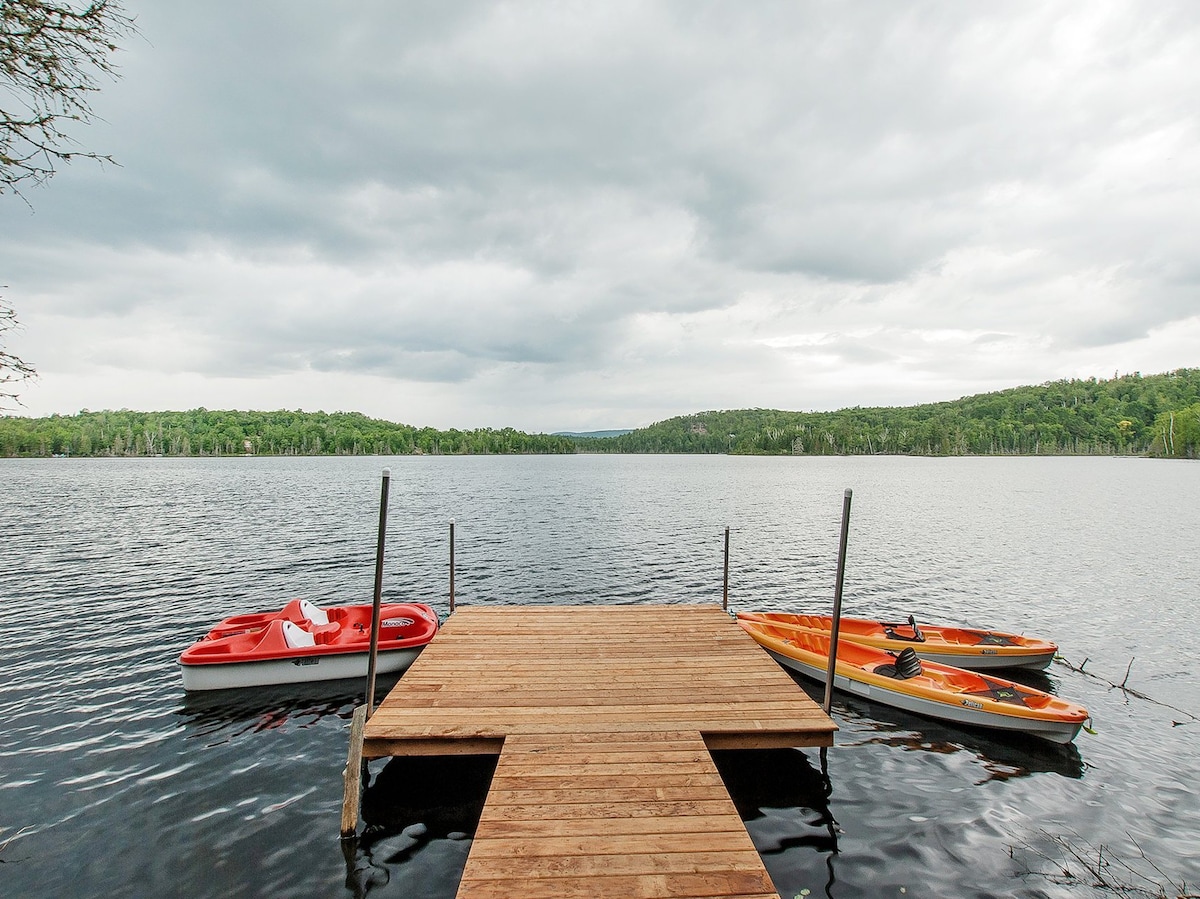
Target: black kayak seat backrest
[(906, 665)]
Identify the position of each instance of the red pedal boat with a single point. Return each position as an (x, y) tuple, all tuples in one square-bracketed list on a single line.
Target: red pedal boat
[(302, 643)]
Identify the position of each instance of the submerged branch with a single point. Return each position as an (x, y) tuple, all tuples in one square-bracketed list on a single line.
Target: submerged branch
[(1127, 690), (15, 836), (1072, 860), (1128, 668)]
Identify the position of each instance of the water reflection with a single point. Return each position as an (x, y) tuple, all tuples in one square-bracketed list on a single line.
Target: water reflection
[(444, 794), (229, 714), (419, 812), (760, 779), (1002, 755), (784, 802)]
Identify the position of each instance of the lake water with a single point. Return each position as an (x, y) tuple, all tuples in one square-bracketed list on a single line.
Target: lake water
[(113, 782)]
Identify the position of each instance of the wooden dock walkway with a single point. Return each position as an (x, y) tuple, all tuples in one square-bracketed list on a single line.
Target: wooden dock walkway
[(603, 717)]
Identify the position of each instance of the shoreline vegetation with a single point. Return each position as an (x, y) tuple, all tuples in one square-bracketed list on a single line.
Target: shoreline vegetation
[(1154, 415)]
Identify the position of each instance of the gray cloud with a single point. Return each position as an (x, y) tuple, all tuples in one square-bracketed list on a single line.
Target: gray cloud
[(560, 212)]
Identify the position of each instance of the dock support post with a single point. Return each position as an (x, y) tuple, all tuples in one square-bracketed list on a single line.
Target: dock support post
[(377, 599), (352, 776), (837, 602), (725, 601), (451, 566)]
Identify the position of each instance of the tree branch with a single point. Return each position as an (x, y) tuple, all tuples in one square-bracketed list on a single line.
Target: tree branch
[(52, 56)]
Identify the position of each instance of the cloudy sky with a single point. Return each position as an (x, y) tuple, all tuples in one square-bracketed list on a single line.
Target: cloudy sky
[(590, 215)]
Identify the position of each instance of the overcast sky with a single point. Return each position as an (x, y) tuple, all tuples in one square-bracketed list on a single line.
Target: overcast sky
[(590, 215)]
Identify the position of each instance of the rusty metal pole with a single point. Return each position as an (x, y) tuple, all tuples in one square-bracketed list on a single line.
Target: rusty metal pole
[(837, 602), (377, 599)]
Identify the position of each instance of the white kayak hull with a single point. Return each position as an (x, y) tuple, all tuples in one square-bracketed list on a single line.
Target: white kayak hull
[(984, 662), (299, 670), (1055, 731)]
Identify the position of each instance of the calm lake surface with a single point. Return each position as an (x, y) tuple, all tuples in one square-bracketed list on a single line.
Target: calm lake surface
[(113, 782)]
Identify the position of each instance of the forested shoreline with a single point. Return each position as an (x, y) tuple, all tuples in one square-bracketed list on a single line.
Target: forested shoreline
[(203, 432), (1157, 415)]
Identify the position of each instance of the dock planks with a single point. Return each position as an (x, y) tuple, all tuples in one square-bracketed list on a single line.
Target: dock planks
[(603, 718)]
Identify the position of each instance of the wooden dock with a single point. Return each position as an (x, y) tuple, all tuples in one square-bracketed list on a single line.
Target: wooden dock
[(603, 718)]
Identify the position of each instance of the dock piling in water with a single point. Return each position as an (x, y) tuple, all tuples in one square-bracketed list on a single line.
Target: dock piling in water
[(352, 776)]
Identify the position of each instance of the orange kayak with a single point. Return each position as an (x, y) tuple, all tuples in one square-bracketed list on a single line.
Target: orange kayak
[(302, 643), (958, 646), (925, 688)]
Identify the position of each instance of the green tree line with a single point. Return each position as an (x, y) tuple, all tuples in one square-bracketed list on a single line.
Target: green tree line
[(203, 432), (1156, 414)]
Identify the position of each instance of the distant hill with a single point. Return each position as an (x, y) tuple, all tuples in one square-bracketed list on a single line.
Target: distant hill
[(1156, 414), (593, 435)]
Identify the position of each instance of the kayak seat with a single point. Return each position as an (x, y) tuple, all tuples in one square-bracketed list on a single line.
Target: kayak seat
[(906, 665), (917, 637)]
